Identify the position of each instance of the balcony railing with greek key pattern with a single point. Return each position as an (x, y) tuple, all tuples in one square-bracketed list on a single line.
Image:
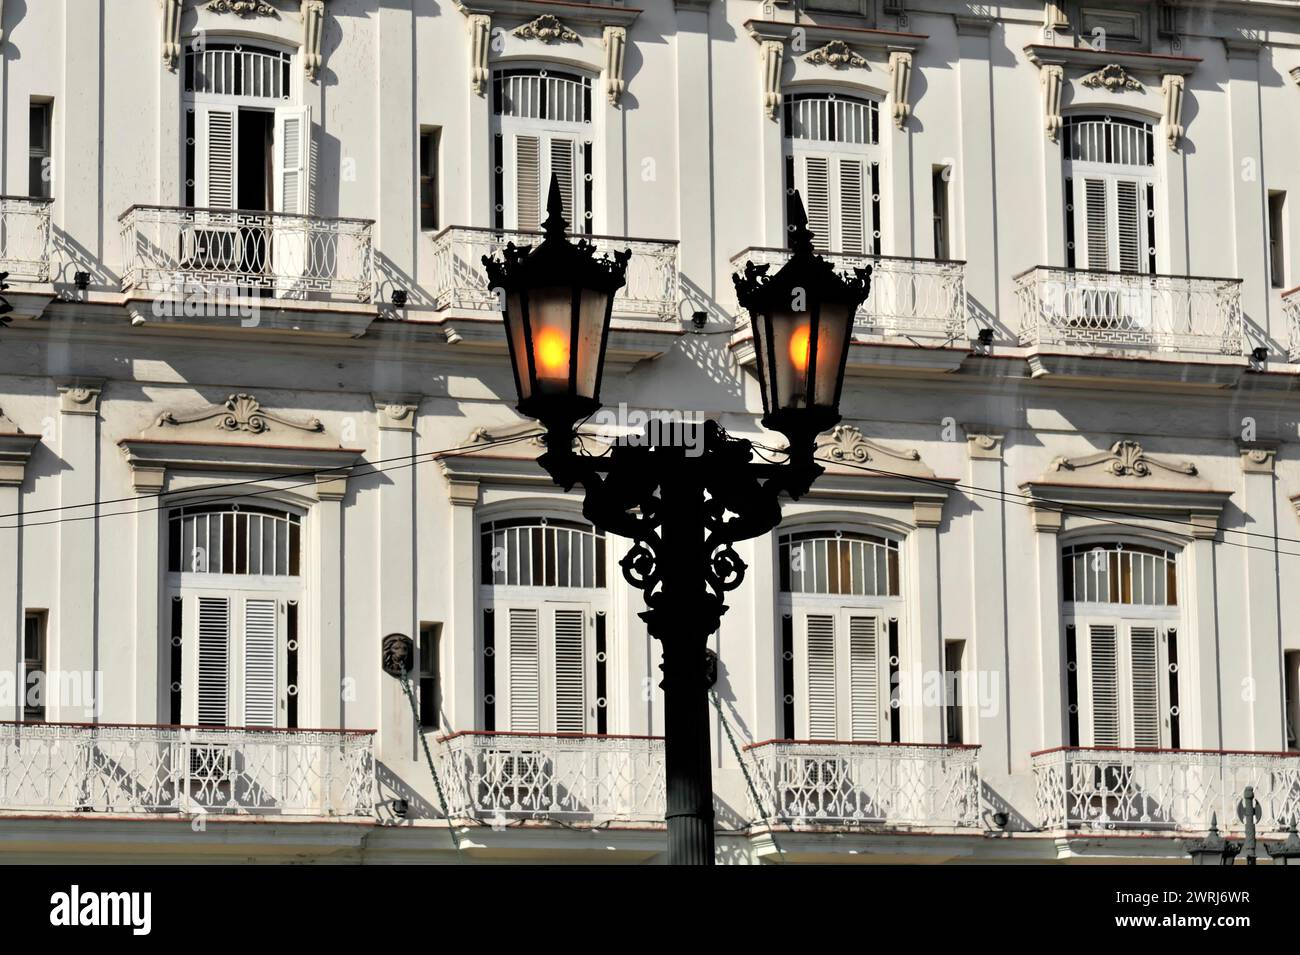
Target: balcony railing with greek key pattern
[(573, 778), (650, 295), (118, 768), (910, 298), (170, 250), (806, 784), (25, 238), (1163, 789), (1291, 308), (1138, 314)]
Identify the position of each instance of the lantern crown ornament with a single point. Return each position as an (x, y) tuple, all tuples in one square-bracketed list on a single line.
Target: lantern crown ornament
[(556, 298), (802, 320)]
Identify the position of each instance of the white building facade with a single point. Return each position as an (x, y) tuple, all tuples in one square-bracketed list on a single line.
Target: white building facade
[(256, 415)]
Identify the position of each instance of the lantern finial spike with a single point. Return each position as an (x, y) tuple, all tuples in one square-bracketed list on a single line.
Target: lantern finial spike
[(555, 223), (800, 237)]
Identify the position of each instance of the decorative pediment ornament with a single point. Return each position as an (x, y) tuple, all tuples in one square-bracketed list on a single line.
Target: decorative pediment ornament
[(845, 443), (1052, 78), (245, 8), (615, 44), (480, 42), (1112, 77), (171, 34), (838, 54), (900, 73), (240, 413), (1172, 87), (313, 25), (1124, 459), (546, 28), (770, 53)]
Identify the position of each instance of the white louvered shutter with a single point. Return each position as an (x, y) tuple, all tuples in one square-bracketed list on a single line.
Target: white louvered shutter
[(564, 165), (525, 677), (260, 692), (1129, 220), (528, 182), (1096, 224), (1105, 684), (813, 180), (214, 661), (1145, 672), (864, 678), (570, 672), (215, 151), (1111, 214), (852, 206), (822, 696), (293, 160)]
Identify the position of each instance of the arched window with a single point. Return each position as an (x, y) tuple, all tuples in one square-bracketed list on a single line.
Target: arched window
[(544, 613), (541, 127), (1109, 194), (1121, 644), (234, 583), (840, 609), (832, 158), (246, 146)]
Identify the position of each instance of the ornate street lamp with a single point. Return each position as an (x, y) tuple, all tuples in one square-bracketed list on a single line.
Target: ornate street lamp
[(1213, 849), (683, 498), (1287, 852)]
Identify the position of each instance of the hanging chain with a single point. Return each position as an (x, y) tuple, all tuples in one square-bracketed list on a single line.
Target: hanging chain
[(428, 758), (744, 768)]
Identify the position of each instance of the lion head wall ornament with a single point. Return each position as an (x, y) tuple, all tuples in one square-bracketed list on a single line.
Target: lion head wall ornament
[(398, 654)]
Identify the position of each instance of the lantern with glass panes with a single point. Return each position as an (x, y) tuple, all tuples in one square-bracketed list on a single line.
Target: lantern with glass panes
[(684, 493)]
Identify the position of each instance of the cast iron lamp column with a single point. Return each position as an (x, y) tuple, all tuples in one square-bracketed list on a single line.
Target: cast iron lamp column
[(687, 498)]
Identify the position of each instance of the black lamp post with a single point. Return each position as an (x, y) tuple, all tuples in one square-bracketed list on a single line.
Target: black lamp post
[(683, 507)]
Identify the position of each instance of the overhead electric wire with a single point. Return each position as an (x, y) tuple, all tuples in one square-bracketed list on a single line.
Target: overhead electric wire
[(204, 496)]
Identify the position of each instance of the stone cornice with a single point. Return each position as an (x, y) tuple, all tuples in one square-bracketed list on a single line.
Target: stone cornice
[(150, 459), (1051, 501), (1041, 54), (881, 41), (16, 449), (589, 14)]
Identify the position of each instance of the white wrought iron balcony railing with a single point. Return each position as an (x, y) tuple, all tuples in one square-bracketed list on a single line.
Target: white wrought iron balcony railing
[(25, 238), (1128, 312), (1291, 308), (839, 783), (119, 768), (1163, 789), (569, 777), (171, 250), (910, 298), (650, 295)]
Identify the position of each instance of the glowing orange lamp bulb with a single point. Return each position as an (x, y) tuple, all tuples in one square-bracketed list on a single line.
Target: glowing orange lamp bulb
[(799, 348), (552, 350)]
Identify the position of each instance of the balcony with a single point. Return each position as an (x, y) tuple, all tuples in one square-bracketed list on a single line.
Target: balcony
[(834, 784), (25, 238), (118, 768), (587, 780), (460, 284), (915, 315), (1124, 315), (1163, 789), (1291, 308), (232, 262)]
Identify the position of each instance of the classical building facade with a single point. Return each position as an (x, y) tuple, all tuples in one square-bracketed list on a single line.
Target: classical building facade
[(256, 425)]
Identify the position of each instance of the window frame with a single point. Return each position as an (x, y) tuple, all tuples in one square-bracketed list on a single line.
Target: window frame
[(890, 614), (43, 151)]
